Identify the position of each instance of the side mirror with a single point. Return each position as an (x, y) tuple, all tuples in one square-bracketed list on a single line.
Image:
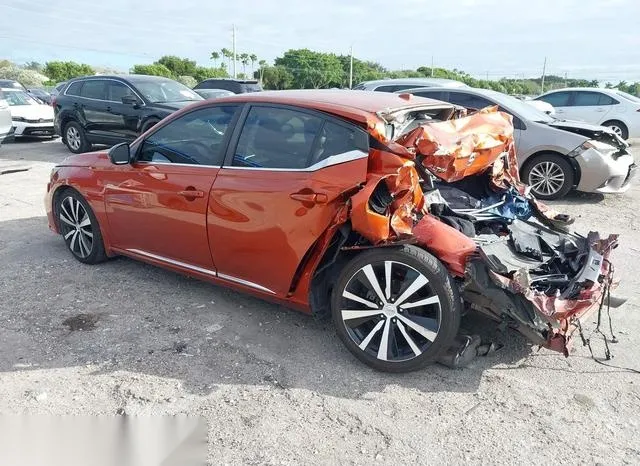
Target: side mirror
[(120, 154), (130, 100)]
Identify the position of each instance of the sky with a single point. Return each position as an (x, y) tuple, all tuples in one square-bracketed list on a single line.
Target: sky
[(486, 38)]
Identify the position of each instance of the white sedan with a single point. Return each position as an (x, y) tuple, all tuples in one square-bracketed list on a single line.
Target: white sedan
[(607, 107), (29, 117)]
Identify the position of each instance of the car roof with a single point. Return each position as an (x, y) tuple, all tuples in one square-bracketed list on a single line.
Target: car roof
[(353, 105), (469, 90), (125, 77), (592, 89), (240, 81), (424, 82)]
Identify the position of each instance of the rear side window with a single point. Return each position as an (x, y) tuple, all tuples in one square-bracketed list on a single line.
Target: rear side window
[(196, 138), (557, 99), (336, 140), (607, 100), (469, 100), (74, 88), (277, 138), (437, 95), (93, 89), (394, 88)]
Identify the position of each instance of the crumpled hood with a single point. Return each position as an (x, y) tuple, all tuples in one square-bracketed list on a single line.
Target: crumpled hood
[(599, 133), (32, 112)]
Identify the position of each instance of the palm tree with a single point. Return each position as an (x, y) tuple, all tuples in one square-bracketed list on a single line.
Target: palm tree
[(228, 54), (215, 56), (262, 64), (254, 58), (244, 59)]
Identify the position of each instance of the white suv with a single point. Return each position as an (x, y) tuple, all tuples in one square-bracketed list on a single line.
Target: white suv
[(607, 107)]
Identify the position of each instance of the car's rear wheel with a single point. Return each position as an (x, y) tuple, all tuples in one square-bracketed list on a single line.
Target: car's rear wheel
[(75, 138), (79, 228), (549, 175), (395, 309), (618, 127)]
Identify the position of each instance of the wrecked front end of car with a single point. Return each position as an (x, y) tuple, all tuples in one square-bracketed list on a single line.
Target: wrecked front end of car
[(452, 187)]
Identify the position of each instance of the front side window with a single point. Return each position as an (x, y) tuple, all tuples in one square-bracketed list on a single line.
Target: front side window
[(437, 95), (557, 99), (117, 90), (93, 89), (277, 138), (196, 138)]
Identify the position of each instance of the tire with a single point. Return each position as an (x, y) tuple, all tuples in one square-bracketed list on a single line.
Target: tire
[(618, 127), (148, 124), (75, 138), (416, 335), (79, 227), (550, 176)]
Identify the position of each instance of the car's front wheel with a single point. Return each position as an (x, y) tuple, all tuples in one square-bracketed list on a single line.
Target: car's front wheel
[(395, 309), (79, 227), (549, 175)]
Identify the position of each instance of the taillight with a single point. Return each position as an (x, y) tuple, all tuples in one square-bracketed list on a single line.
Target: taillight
[(53, 102)]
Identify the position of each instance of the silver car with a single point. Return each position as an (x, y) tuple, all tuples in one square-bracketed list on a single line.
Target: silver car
[(554, 155), (395, 85), (5, 118)]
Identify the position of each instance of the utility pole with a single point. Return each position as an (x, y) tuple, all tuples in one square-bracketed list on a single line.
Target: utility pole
[(544, 70), (351, 68), (234, 51)]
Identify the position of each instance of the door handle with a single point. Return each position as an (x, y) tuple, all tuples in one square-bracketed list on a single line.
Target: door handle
[(316, 198), (109, 109), (191, 193)]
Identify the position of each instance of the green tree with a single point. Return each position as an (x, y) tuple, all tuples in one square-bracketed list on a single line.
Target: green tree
[(58, 71), (276, 77), (154, 69), (228, 54), (203, 73), (33, 65), (262, 64), (178, 66), (254, 58), (244, 59), (312, 69), (188, 81)]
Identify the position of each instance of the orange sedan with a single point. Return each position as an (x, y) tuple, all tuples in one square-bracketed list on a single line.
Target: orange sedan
[(312, 199)]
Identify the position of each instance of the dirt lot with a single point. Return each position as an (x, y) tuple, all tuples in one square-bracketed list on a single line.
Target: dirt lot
[(275, 386)]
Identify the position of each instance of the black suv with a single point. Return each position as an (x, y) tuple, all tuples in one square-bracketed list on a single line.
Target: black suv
[(113, 109), (237, 86)]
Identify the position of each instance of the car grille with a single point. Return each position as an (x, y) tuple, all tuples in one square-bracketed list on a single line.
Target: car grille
[(39, 120)]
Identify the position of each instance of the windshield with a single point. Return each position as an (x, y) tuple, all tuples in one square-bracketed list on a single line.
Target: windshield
[(630, 97), (166, 91), (19, 98), (522, 109)]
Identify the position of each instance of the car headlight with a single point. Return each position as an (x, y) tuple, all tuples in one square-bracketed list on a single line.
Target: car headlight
[(19, 119), (601, 147)]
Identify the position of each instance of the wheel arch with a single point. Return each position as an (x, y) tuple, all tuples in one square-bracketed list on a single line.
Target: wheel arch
[(577, 173)]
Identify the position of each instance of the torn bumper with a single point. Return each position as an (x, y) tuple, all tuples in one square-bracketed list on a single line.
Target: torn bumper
[(604, 174)]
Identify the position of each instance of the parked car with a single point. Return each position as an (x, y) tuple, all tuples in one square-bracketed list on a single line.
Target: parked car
[(607, 107), (29, 117), (312, 199), (6, 126), (56, 90), (395, 85), (213, 93), (113, 109), (237, 86), (40, 94), (10, 83), (554, 155)]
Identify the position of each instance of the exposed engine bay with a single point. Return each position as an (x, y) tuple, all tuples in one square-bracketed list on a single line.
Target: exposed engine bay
[(453, 188)]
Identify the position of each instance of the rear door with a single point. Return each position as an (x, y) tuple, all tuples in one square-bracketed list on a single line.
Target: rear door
[(279, 189), (157, 206), (589, 106)]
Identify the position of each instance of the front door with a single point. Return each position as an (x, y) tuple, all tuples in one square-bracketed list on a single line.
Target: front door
[(93, 107), (122, 119), (157, 206), (279, 190)]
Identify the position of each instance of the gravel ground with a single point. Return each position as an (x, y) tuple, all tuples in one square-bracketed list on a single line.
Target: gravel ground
[(277, 387)]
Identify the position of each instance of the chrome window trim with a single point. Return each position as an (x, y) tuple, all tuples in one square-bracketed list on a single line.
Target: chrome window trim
[(195, 268), (146, 162), (324, 163), (103, 100)]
